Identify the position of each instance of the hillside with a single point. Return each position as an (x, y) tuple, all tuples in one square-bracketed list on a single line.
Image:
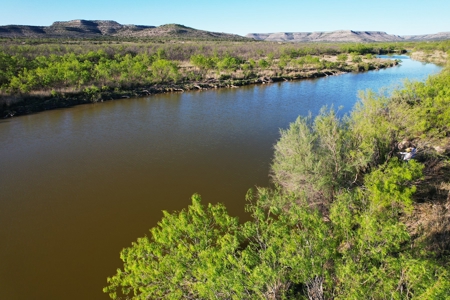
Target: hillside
[(97, 28), (104, 28), (344, 36), (428, 37)]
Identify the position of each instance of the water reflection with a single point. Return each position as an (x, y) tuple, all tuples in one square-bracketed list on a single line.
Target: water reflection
[(77, 185)]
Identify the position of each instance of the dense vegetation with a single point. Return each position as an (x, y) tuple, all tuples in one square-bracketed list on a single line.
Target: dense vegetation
[(71, 67), (443, 46), (345, 219), (96, 69), (48, 67)]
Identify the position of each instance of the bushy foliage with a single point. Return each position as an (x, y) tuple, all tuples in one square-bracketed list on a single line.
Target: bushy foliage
[(356, 58), (203, 62), (164, 70), (40, 66), (342, 57), (427, 105), (311, 157), (186, 256), (331, 228), (357, 48), (443, 46), (228, 63), (77, 71), (288, 250), (374, 249)]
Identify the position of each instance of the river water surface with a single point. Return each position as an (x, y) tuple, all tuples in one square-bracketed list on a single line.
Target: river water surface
[(77, 185)]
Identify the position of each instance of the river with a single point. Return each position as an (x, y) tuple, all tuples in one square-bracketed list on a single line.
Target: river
[(79, 184)]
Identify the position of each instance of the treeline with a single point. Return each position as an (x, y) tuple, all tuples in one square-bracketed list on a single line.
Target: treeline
[(346, 218), (182, 49), (73, 72), (443, 46), (87, 67), (437, 52)]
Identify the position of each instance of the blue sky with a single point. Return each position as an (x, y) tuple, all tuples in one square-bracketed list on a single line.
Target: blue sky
[(402, 17)]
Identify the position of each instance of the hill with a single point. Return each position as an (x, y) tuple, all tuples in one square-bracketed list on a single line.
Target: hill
[(344, 36), (106, 28), (428, 37), (98, 28)]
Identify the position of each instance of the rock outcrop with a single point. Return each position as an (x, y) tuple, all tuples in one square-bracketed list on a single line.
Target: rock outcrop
[(343, 36), (101, 28), (428, 37), (98, 28)]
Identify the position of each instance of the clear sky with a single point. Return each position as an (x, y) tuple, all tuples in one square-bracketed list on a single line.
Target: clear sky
[(402, 17)]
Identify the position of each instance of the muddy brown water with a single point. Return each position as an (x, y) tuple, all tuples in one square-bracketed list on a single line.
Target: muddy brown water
[(77, 185)]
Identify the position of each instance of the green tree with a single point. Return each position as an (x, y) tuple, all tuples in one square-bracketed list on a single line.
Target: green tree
[(374, 255), (288, 248), (330, 229), (342, 57), (202, 62), (186, 256), (312, 158), (283, 62), (356, 58), (228, 63), (263, 64), (164, 70)]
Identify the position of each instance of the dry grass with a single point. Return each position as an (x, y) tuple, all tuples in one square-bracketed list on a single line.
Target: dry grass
[(429, 223), (437, 57)]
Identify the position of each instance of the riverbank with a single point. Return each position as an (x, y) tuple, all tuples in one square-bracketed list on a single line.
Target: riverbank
[(434, 56), (131, 159), (22, 104)]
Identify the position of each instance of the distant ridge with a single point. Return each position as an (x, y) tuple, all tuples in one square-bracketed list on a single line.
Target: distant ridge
[(344, 36), (102, 28), (428, 37), (108, 28)]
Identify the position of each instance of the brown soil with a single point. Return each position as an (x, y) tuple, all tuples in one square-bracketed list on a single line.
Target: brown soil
[(437, 57), (429, 223)]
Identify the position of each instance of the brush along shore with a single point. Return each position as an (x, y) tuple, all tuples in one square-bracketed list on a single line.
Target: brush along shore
[(190, 76)]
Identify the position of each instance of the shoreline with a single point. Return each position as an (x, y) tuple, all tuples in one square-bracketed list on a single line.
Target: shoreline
[(18, 105), (437, 57)]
